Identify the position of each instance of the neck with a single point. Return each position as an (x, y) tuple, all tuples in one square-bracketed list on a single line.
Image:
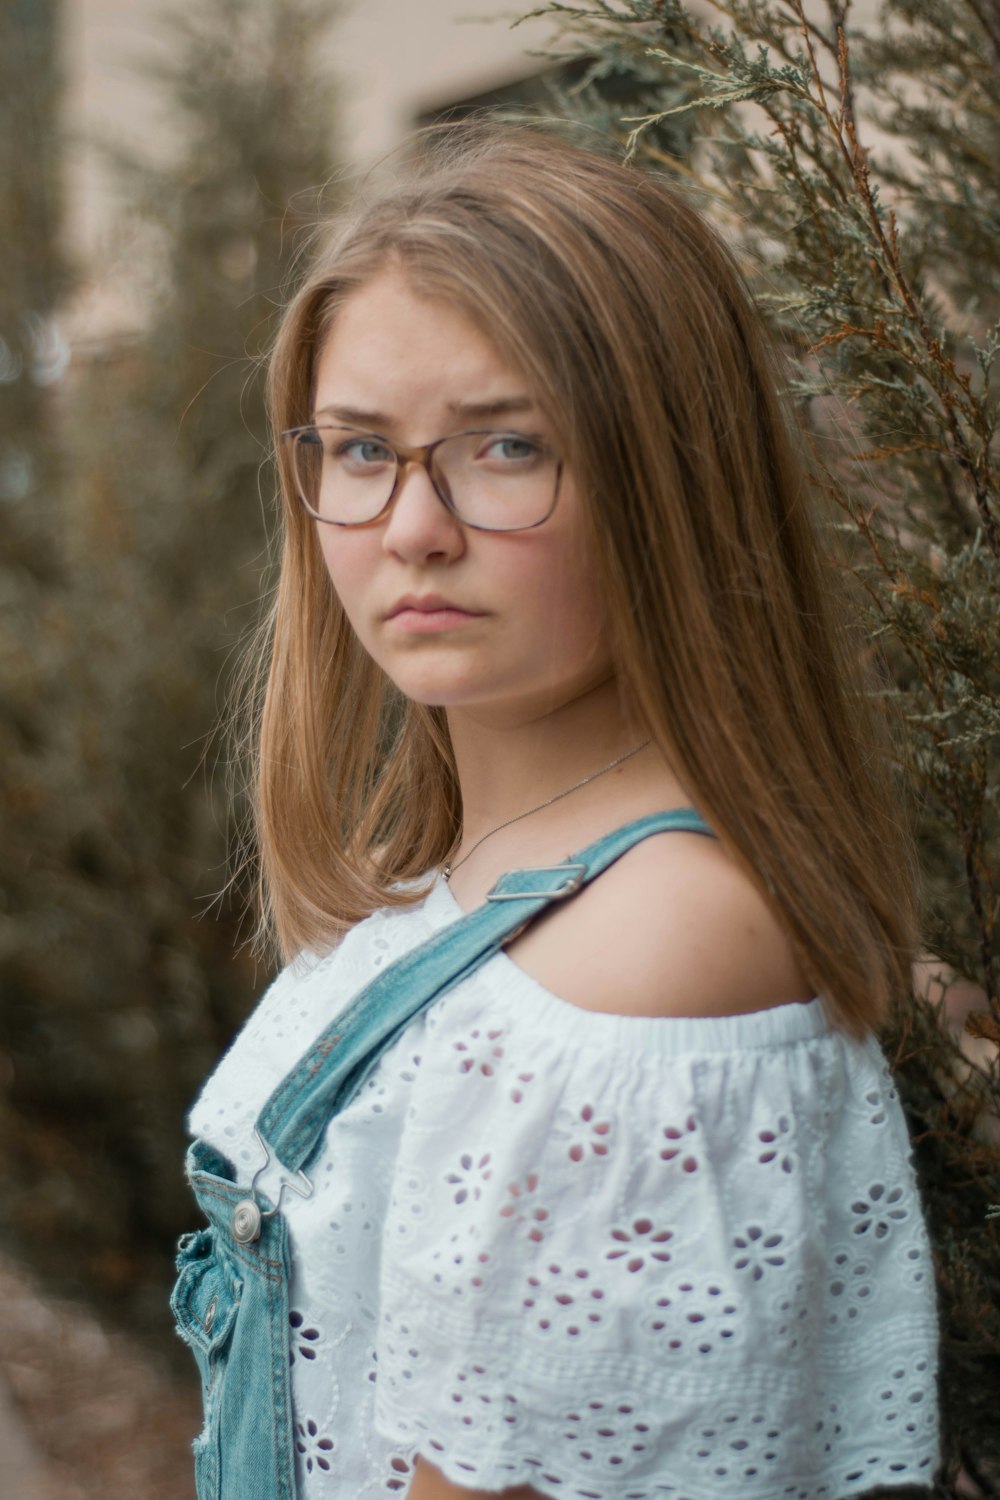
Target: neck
[(508, 768)]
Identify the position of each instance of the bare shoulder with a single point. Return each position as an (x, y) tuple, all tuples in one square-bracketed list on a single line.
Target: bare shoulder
[(674, 927)]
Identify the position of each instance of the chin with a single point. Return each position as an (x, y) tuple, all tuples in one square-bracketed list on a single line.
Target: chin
[(438, 679), (432, 692)]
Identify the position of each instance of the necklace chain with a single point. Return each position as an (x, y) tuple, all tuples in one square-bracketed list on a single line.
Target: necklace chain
[(450, 869)]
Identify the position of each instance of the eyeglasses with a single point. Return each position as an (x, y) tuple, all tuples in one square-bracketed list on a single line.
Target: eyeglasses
[(492, 481)]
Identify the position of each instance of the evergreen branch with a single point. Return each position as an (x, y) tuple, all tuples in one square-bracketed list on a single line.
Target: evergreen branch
[(805, 186), (988, 17), (888, 308), (577, 13), (955, 505), (899, 450), (970, 840), (807, 30), (887, 243), (756, 81)]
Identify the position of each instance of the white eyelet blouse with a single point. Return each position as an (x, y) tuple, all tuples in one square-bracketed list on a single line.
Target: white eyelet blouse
[(611, 1257)]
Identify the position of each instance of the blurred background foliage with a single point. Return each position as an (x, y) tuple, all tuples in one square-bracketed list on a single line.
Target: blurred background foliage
[(855, 170), (134, 551)]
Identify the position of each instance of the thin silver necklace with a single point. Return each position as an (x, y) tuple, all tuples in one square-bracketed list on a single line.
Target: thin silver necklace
[(450, 869)]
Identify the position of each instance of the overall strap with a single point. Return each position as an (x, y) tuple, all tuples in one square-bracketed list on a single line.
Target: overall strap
[(328, 1075)]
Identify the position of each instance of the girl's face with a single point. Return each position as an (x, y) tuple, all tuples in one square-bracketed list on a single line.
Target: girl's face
[(507, 626)]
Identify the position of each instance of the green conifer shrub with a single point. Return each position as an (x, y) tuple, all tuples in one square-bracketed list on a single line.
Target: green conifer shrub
[(854, 167), (122, 976)]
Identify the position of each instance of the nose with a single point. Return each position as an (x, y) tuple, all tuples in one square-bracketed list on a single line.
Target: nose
[(420, 525)]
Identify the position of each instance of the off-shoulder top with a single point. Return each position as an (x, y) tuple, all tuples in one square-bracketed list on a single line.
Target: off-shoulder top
[(611, 1257)]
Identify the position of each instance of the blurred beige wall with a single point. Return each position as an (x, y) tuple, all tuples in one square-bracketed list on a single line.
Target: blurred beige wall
[(391, 60), (396, 60)]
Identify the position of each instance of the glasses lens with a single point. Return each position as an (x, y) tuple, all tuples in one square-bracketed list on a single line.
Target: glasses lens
[(499, 481), (342, 475)]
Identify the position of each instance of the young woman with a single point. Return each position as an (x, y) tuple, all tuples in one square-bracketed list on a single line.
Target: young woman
[(561, 1159)]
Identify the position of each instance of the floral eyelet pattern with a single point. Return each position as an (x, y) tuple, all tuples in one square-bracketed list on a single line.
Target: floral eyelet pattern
[(304, 1339), (642, 1241), (603, 1256), (677, 1147), (315, 1448), (775, 1145), (525, 1207), (758, 1251), (586, 1134), (470, 1177), (879, 1211)]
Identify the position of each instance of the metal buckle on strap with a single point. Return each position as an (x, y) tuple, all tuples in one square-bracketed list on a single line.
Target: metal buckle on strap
[(569, 887), (248, 1215)]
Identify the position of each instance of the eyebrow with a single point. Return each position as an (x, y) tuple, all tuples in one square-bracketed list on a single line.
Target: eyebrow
[(502, 406)]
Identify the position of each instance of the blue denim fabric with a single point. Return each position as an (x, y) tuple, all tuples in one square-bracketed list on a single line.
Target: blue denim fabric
[(231, 1297)]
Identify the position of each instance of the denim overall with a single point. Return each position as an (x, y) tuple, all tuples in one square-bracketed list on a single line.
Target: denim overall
[(231, 1296)]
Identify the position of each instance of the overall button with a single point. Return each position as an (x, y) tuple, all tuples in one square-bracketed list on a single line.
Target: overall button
[(246, 1222)]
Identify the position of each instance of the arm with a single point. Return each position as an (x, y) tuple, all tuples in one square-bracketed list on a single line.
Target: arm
[(429, 1483)]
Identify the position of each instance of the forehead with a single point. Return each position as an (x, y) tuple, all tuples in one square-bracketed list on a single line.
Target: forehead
[(388, 342)]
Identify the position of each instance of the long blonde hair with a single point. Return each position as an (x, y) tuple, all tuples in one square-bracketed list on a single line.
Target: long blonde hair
[(621, 307)]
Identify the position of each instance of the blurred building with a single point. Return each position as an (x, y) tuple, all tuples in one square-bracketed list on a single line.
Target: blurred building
[(394, 64)]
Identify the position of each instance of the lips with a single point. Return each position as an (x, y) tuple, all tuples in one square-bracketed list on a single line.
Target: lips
[(427, 604)]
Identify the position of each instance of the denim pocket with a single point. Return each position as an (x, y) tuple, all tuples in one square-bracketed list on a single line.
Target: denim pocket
[(206, 1297), (205, 1303)]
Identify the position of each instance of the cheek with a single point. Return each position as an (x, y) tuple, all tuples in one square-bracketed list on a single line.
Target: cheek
[(570, 619), (347, 561)]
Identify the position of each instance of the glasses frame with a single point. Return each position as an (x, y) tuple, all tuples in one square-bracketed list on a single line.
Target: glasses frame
[(423, 456)]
